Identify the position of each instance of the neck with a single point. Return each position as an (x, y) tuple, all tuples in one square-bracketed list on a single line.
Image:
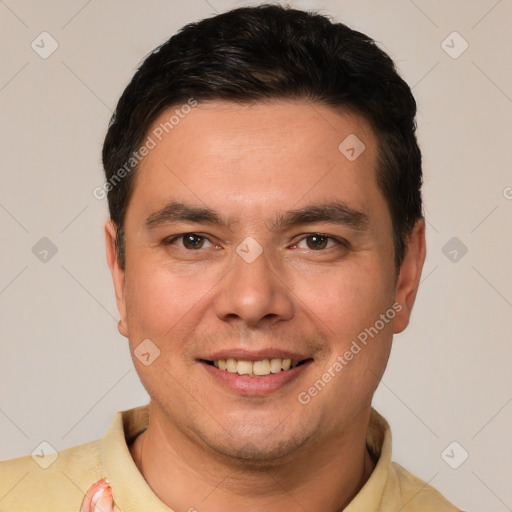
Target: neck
[(186, 476)]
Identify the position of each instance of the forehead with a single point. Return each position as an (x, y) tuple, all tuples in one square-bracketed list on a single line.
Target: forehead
[(259, 156)]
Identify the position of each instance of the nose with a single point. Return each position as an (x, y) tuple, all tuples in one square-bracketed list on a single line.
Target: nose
[(253, 294)]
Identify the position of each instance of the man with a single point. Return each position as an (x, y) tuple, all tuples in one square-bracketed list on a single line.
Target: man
[(266, 241)]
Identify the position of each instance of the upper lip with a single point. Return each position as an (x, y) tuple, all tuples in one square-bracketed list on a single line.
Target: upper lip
[(254, 355)]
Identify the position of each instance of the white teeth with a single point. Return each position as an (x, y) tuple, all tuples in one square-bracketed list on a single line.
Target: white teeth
[(261, 367), (275, 365), (244, 367), (231, 365), (255, 368)]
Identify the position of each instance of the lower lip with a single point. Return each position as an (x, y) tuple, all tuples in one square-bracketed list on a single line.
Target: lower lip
[(255, 386)]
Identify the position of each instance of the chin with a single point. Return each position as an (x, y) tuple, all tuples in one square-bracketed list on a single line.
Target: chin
[(258, 449)]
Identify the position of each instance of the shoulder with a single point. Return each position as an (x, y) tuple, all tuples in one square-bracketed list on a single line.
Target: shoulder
[(55, 482), (416, 495)]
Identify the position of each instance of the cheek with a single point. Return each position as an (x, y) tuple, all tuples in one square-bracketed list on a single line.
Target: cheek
[(348, 299), (162, 306), (159, 301)]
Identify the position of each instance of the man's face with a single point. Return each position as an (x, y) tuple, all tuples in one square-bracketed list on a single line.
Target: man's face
[(288, 254)]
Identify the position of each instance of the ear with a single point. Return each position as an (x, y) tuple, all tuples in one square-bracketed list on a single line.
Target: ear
[(409, 276), (117, 275)]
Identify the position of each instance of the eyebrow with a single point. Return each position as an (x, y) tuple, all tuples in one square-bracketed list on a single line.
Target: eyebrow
[(177, 211), (334, 212)]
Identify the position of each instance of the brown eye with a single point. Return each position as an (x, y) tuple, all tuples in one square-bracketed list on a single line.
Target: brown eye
[(316, 242), (190, 241), (193, 241)]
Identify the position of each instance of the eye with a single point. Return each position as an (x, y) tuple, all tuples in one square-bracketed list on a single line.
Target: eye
[(189, 241), (317, 242)]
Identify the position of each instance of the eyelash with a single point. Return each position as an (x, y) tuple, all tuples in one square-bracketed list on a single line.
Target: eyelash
[(339, 241)]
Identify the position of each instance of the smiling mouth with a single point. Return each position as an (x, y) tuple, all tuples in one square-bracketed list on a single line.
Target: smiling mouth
[(262, 368)]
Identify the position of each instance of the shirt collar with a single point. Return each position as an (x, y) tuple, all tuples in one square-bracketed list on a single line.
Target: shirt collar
[(376, 489)]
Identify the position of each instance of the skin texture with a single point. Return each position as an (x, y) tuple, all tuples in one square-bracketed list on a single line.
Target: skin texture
[(207, 445)]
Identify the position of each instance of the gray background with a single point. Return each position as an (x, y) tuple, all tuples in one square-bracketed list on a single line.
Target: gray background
[(65, 370)]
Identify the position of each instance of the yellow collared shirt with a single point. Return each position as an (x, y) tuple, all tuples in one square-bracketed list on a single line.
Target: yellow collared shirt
[(26, 487)]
